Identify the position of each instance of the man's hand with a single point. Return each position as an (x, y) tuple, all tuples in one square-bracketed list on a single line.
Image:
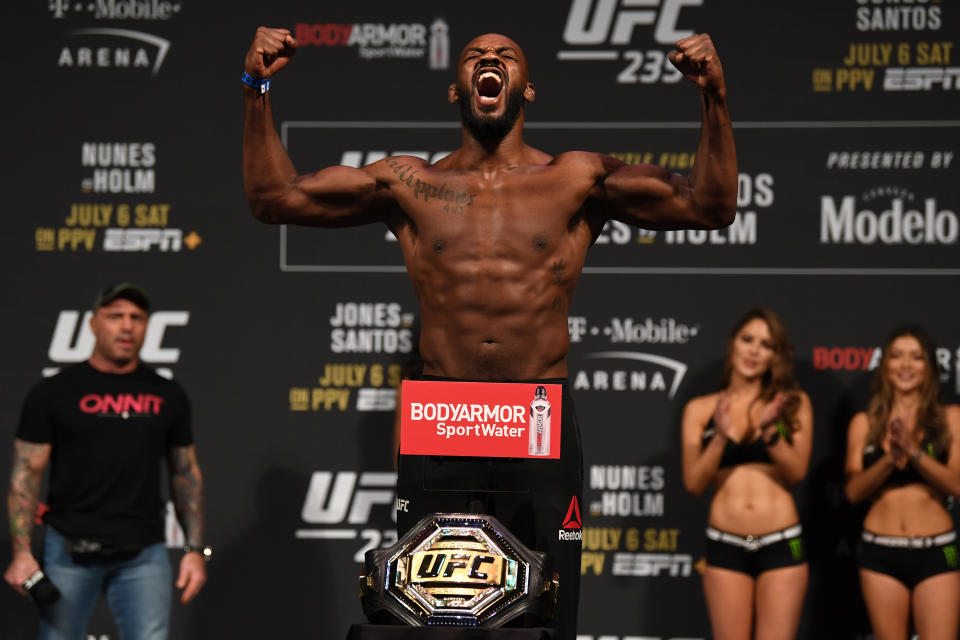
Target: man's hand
[(270, 51), (192, 577), (21, 567), (696, 58)]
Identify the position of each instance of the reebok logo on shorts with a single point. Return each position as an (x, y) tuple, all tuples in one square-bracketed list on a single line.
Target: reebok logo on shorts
[(572, 524)]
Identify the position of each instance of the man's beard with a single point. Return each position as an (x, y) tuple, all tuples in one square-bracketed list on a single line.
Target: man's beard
[(490, 128)]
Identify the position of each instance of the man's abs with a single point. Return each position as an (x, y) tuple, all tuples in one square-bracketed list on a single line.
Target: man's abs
[(521, 347)]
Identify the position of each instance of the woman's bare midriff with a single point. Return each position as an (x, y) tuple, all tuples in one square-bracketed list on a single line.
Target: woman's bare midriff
[(911, 510), (751, 499)]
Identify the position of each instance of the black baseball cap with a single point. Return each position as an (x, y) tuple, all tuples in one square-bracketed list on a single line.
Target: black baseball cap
[(125, 291)]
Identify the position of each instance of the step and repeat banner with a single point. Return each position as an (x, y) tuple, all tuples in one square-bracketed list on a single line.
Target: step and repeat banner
[(123, 163)]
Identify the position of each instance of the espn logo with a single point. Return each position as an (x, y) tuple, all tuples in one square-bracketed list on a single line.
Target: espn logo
[(920, 78), (643, 565), (374, 399), (142, 239)]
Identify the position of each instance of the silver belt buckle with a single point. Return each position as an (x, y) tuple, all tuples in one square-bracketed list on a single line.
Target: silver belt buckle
[(752, 543)]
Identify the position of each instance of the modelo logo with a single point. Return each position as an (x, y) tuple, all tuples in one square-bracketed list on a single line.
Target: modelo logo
[(843, 224), (592, 22), (73, 340)]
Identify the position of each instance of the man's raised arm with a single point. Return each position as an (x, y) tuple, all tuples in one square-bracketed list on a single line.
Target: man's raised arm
[(652, 197), (332, 197)]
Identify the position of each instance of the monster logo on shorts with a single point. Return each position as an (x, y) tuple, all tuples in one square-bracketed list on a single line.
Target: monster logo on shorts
[(950, 551), (796, 548)]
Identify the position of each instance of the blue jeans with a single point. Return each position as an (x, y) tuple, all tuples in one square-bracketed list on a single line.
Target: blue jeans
[(138, 591)]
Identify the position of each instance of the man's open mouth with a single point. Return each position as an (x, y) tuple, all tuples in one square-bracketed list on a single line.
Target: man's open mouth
[(489, 85)]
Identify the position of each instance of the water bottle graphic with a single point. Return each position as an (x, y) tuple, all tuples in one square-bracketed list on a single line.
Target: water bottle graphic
[(439, 45), (539, 424)]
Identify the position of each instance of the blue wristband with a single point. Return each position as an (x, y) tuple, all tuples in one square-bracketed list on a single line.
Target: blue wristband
[(263, 85)]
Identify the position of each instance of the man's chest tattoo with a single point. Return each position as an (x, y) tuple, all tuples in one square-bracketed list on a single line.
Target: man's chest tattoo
[(559, 271), (455, 199)]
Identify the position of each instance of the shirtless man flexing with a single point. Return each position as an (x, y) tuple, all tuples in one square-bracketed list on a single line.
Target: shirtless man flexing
[(494, 237)]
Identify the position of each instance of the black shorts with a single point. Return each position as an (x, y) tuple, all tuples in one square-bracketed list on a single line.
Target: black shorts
[(909, 560), (532, 498), (753, 555)]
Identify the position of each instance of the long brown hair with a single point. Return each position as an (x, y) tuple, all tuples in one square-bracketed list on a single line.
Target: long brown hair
[(929, 416), (779, 375)]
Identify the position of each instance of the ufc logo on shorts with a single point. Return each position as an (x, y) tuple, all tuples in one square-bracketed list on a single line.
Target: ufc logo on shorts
[(593, 22)]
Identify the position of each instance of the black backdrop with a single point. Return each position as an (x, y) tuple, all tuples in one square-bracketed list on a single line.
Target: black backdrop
[(122, 161)]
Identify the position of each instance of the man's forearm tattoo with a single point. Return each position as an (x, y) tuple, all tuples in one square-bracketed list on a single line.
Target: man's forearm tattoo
[(24, 494), (423, 190), (187, 488)]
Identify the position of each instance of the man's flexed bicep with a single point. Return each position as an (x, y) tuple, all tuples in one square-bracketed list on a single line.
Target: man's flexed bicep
[(332, 197), (650, 197)]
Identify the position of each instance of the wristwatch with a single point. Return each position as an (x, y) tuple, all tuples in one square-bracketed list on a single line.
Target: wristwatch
[(206, 551)]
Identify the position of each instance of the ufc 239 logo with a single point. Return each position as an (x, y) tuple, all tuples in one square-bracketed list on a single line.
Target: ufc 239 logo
[(594, 22), (607, 26), (346, 505)]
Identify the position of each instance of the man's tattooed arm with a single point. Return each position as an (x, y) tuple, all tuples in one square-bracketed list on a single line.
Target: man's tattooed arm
[(26, 477), (186, 485)]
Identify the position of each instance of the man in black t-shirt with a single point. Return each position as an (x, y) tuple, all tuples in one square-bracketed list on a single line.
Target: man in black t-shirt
[(104, 426)]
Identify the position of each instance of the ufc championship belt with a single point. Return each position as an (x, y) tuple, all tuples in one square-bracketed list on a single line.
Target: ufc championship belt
[(457, 570)]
